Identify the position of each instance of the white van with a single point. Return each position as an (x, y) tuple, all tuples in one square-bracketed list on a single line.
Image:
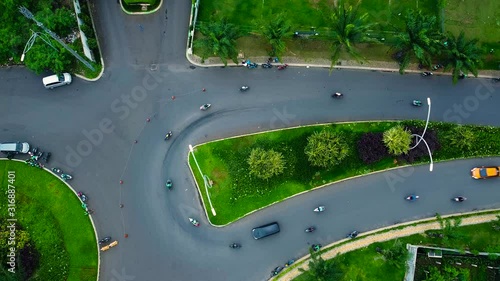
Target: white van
[(56, 80), (14, 147)]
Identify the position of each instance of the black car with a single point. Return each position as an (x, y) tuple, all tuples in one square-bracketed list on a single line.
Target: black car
[(104, 240), (265, 230)]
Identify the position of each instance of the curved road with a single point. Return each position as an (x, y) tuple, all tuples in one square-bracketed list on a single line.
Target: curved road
[(91, 129)]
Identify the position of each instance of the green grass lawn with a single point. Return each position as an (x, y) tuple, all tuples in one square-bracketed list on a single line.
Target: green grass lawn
[(52, 216), (479, 19), (366, 264), (235, 193), (304, 15)]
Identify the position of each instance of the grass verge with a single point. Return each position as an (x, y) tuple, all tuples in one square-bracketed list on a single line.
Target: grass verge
[(235, 193), (51, 222), (368, 264)]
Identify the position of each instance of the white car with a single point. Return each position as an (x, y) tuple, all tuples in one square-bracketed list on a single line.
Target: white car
[(14, 147), (56, 80)]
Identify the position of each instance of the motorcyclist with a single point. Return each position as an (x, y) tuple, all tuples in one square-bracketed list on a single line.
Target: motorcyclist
[(460, 199), (316, 247), (417, 102), (310, 229), (168, 135)]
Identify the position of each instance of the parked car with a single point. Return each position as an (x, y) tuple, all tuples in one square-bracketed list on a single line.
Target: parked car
[(14, 147), (265, 230), (56, 80), (485, 172)]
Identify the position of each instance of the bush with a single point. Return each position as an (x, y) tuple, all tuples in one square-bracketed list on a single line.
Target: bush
[(397, 140), (421, 150), (30, 259), (325, 149), (462, 137), (265, 164), (92, 42), (371, 147)]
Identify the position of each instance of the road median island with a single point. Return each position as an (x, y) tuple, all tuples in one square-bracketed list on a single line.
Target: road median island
[(53, 238), (386, 234), (239, 190)]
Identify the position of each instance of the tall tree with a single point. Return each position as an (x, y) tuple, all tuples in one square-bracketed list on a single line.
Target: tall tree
[(463, 56), (326, 149), (219, 39), (397, 140), (275, 31), (349, 28), (420, 39), (321, 270)]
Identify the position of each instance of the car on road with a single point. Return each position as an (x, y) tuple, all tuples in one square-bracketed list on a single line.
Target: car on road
[(14, 147), (56, 80), (265, 230), (485, 172)]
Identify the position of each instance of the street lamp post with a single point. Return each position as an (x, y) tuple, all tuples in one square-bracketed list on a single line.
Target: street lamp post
[(204, 180), (421, 137)]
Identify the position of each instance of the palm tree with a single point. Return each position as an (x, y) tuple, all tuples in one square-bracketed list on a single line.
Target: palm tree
[(463, 56), (219, 39), (420, 40), (349, 28), (274, 31), (321, 270)]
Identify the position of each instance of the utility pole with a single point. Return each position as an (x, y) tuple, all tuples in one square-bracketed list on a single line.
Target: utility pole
[(30, 16)]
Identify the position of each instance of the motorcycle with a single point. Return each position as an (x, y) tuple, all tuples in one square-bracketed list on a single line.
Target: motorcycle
[(310, 229), (495, 80), (459, 199), (194, 222), (82, 196), (283, 66), (168, 135), (244, 88), (353, 234), (412, 197), (416, 103), (66, 177), (105, 240), (316, 247), (337, 95), (427, 73), (319, 209), (205, 106), (249, 64), (235, 246), (267, 65), (57, 170), (169, 184)]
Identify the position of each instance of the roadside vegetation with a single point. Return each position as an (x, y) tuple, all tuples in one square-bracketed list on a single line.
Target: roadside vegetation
[(46, 54), (387, 260), (252, 172), (423, 32), (54, 240)]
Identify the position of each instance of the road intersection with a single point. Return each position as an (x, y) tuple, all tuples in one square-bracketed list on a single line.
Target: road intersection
[(99, 132)]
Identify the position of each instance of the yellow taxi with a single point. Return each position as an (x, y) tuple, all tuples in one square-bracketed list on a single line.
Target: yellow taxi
[(485, 172)]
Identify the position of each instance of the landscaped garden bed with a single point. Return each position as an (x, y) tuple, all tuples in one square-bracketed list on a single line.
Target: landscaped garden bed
[(54, 239), (237, 191)]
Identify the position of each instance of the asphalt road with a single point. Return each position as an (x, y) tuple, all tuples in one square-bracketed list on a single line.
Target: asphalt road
[(91, 129)]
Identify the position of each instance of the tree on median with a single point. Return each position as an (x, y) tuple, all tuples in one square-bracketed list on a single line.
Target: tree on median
[(219, 39), (325, 149), (398, 140), (265, 164), (349, 28)]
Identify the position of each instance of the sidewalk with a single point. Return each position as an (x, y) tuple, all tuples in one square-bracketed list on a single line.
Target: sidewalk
[(365, 239), (388, 66)]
